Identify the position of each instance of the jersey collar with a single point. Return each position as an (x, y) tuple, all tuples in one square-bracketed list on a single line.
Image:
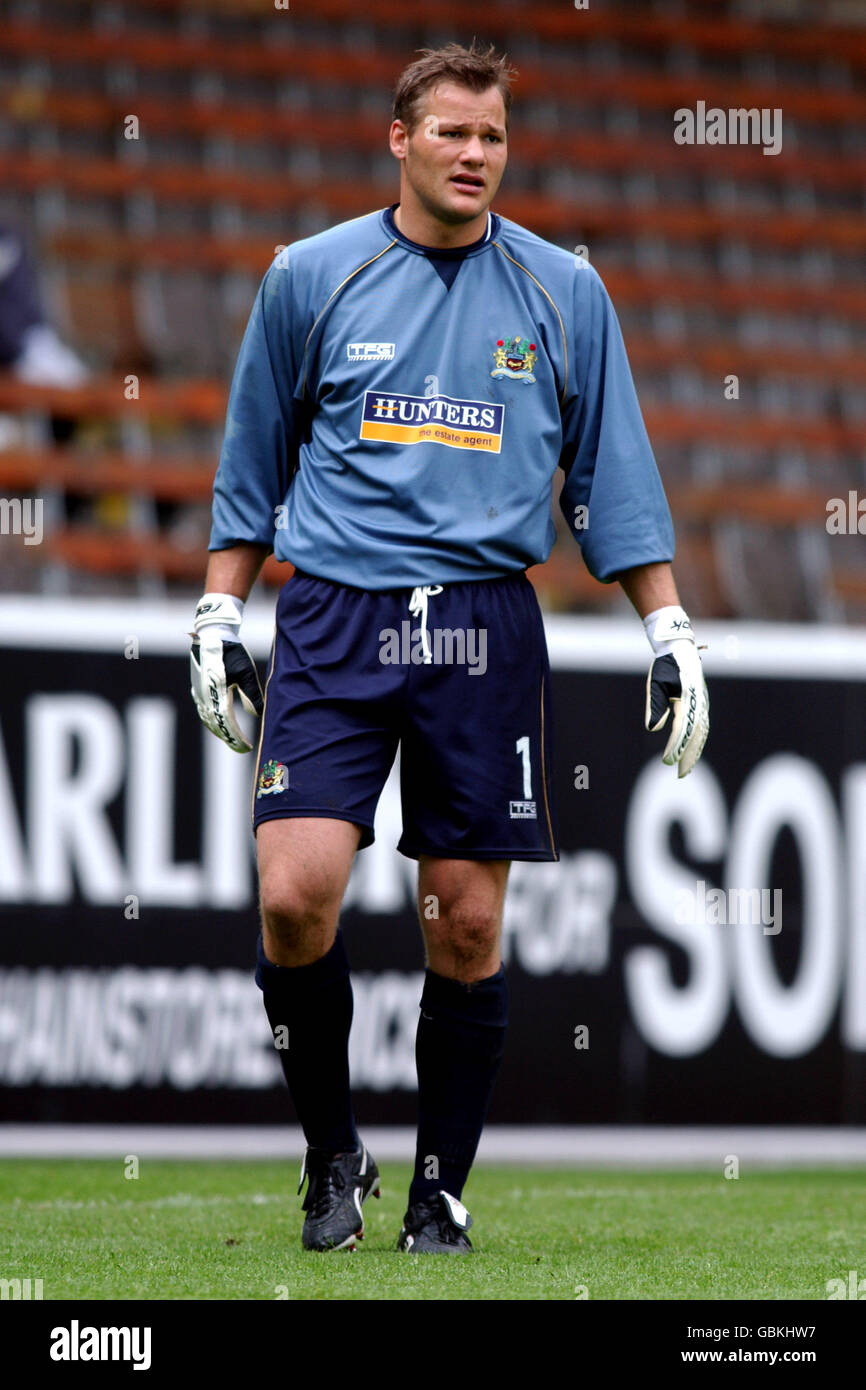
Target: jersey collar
[(446, 253)]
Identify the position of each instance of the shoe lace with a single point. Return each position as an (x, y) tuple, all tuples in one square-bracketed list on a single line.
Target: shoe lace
[(325, 1184)]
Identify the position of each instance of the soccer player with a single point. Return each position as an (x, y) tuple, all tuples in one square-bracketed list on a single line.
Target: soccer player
[(408, 384)]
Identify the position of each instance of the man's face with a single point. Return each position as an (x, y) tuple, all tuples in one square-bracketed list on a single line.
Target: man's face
[(454, 159)]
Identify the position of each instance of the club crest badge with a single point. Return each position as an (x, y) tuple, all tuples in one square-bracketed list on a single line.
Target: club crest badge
[(514, 357), (274, 777)]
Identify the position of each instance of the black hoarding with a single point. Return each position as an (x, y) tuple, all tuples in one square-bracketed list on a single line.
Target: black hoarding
[(697, 956)]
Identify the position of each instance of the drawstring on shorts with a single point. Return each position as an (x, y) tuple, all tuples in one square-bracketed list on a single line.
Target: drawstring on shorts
[(418, 605)]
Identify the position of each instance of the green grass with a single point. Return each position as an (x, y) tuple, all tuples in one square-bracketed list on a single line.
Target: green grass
[(215, 1230)]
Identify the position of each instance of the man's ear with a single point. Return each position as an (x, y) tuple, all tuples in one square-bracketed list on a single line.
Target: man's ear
[(398, 139)]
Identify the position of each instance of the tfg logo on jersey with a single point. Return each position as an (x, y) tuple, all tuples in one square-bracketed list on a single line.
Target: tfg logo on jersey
[(445, 420), (371, 352)]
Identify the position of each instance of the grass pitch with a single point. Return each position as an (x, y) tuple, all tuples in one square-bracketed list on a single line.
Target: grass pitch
[(231, 1230)]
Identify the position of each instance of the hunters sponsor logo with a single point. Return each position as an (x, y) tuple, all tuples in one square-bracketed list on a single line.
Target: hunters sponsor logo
[(433, 420), (371, 352)]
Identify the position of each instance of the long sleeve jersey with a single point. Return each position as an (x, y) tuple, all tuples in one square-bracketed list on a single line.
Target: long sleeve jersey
[(397, 414)]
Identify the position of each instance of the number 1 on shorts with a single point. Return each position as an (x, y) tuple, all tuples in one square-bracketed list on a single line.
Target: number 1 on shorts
[(522, 747)]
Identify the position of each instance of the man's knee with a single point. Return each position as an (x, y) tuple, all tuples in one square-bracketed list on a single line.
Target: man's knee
[(304, 866), (296, 915), (469, 930)]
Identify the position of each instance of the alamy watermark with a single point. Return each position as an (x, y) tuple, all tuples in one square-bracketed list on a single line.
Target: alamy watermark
[(22, 518), (20, 1289), (77, 1343), (730, 907), (440, 646), (846, 516), (736, 126), (854, 1287)]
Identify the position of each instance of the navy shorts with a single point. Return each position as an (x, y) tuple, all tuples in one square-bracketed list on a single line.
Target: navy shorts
[(456, 675)]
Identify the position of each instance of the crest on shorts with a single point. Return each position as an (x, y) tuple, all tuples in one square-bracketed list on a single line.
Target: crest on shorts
[(514, 357), (274, 777)]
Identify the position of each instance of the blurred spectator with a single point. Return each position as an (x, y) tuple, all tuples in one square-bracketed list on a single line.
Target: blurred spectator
[(29, 346)]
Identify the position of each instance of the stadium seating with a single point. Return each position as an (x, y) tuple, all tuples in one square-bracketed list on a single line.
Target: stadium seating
[(257, 127)]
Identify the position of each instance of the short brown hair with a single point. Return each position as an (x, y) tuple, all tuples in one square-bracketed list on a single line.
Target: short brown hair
[(475, 68)]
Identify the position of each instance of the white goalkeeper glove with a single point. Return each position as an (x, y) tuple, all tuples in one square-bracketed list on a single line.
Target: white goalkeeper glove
[(219, 665), (676, 682)]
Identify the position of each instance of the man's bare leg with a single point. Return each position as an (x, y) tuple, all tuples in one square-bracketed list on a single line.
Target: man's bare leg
[(304, 866), (462, 939)]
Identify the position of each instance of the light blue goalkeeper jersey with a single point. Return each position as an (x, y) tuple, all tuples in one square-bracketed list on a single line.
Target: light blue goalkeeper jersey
[(387, 428)]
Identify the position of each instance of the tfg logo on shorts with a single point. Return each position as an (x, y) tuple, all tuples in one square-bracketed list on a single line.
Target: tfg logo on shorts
[(76, 1343), (433, 420)]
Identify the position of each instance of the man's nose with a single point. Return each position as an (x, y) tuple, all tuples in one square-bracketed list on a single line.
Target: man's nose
[(473, 151)]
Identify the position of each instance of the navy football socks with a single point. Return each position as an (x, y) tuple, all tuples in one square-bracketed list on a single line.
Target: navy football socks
[(312, 1005), (458, 1048)]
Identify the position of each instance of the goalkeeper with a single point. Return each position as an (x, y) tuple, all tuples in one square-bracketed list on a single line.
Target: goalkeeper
[(408, 384)]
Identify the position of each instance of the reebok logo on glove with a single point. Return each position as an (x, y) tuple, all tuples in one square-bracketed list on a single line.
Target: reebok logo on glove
[(220, 667), (676, 684)]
